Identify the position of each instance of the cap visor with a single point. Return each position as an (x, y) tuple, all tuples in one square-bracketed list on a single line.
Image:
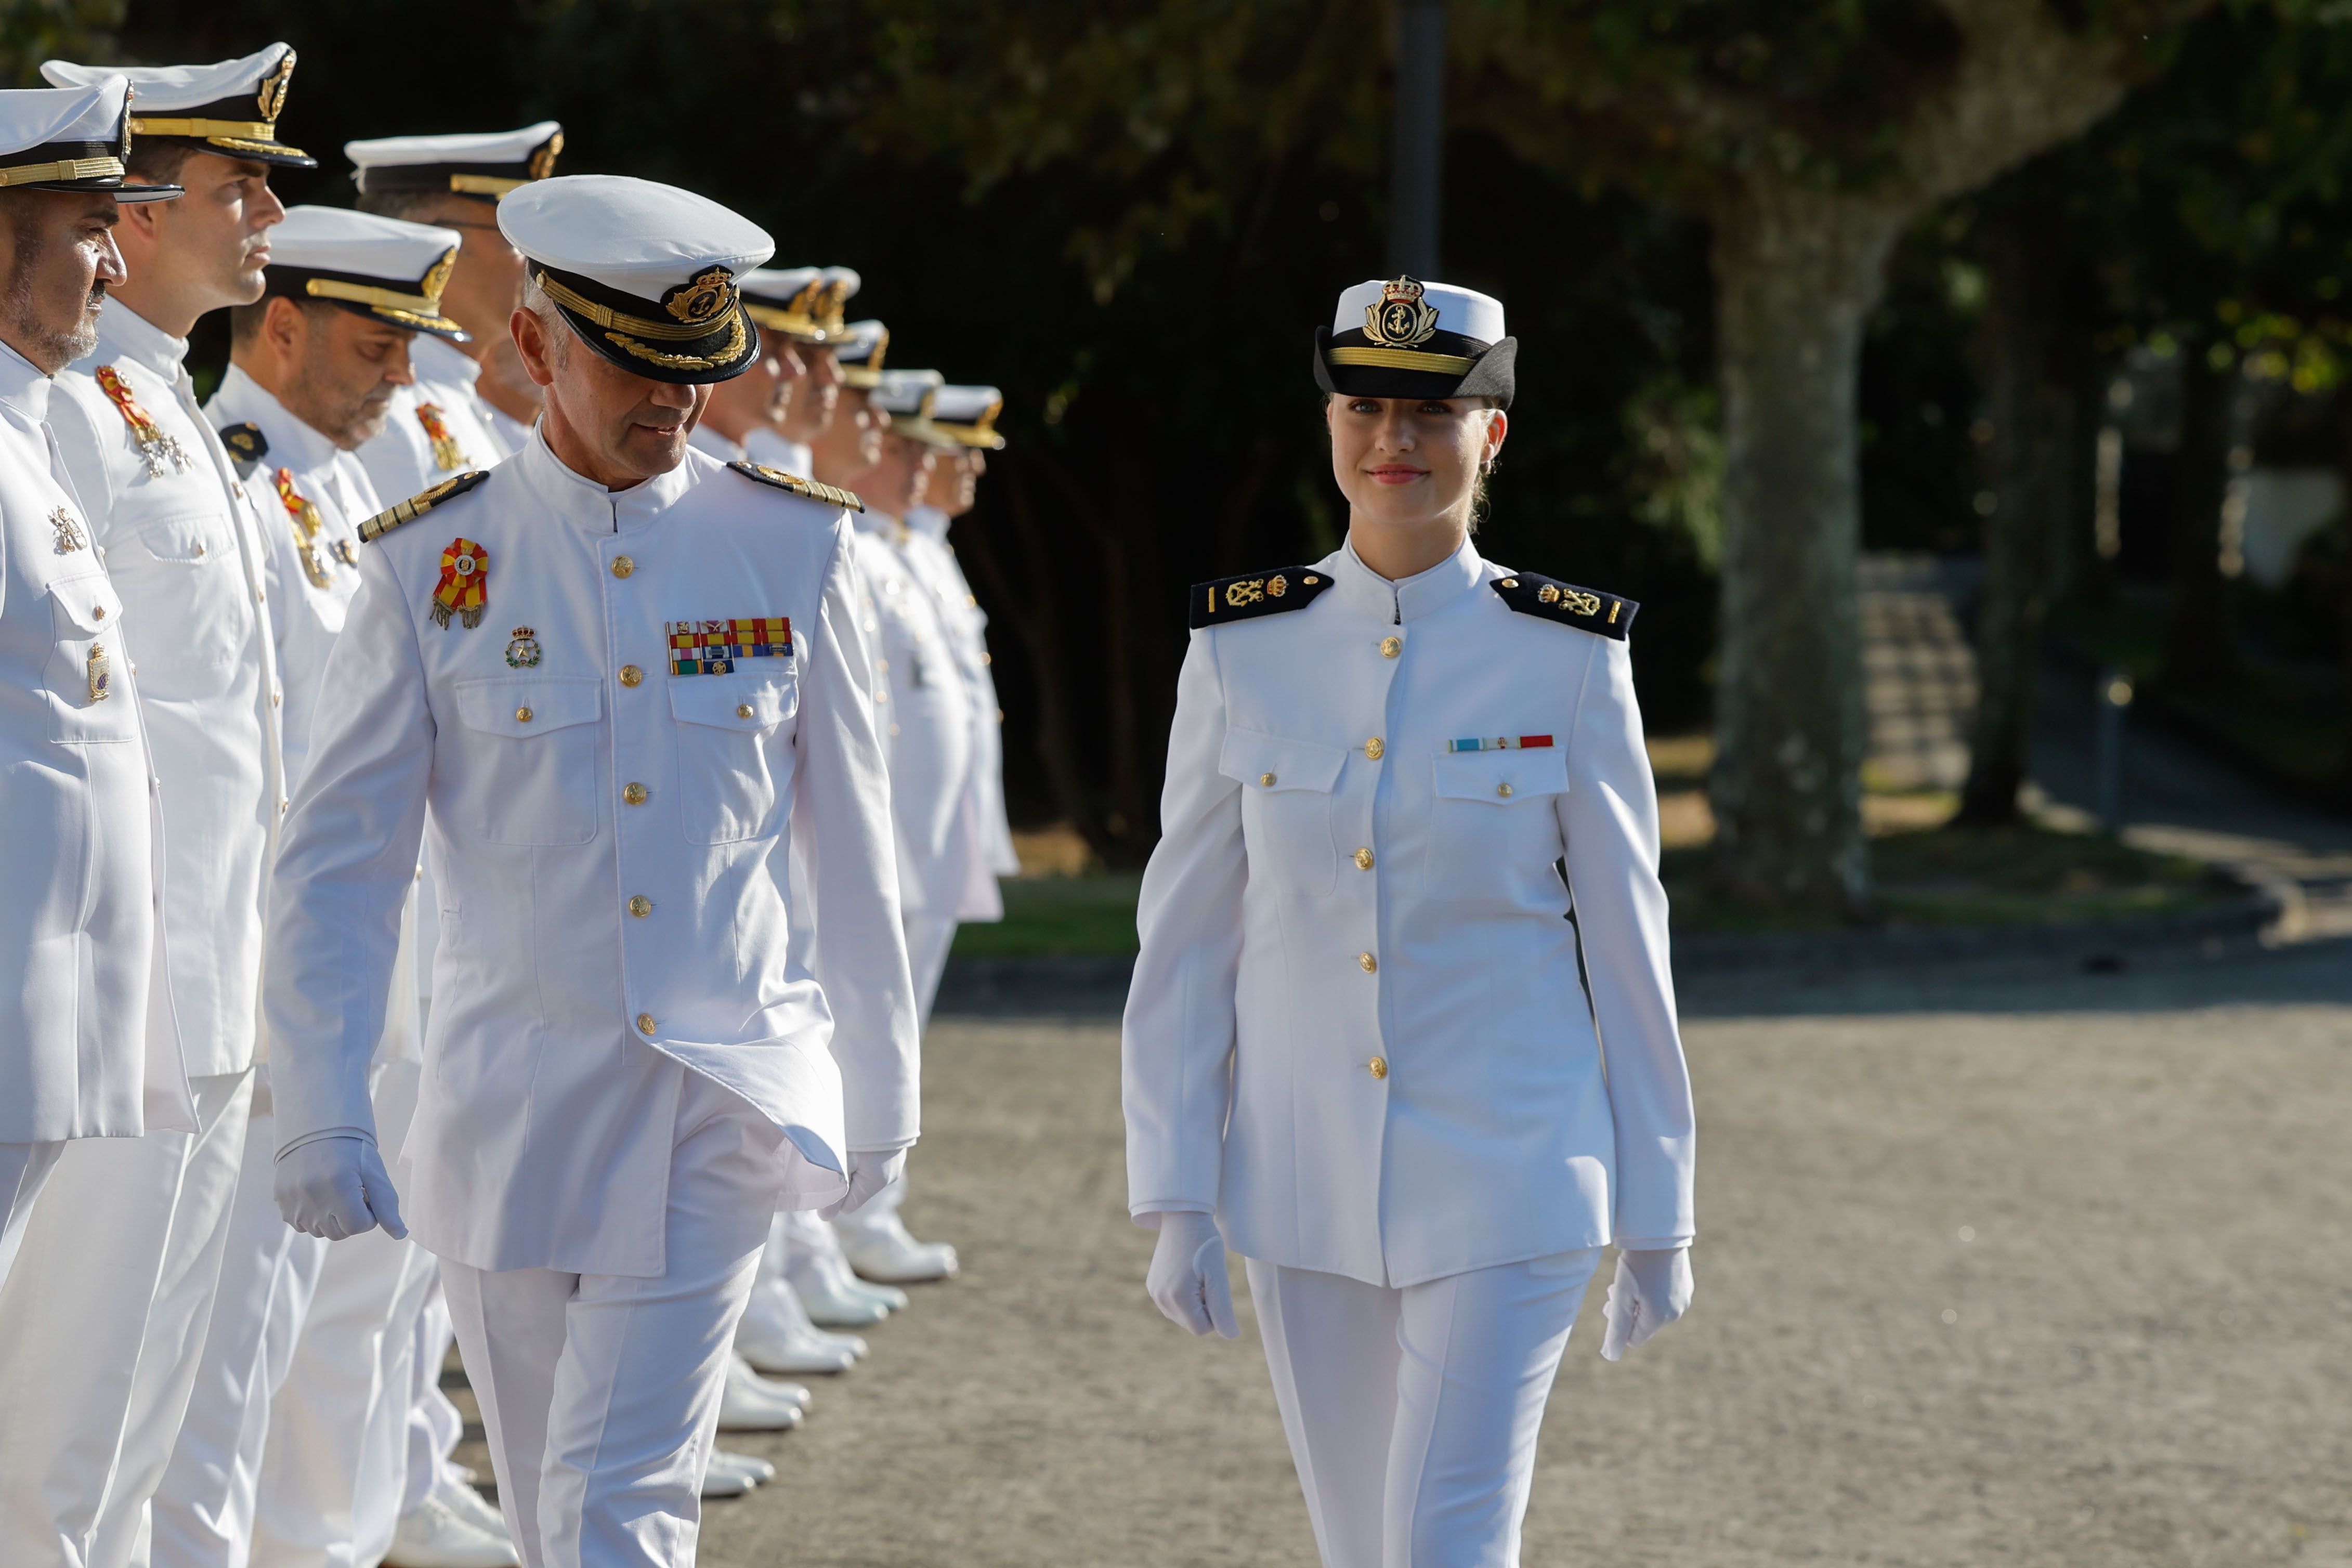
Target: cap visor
[(272, 152), (414, 320), (121, 190)]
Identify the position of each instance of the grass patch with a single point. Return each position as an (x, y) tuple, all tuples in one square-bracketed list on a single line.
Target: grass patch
[(1090, 915)]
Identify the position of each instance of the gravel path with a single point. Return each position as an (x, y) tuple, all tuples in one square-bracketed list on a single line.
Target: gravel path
[(2033, 1271)]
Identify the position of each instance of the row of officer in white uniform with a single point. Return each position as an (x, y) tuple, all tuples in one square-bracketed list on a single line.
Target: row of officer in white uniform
[(291, 458)]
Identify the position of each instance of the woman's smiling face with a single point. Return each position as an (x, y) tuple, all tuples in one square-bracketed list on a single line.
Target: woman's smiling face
[(1412, 463)]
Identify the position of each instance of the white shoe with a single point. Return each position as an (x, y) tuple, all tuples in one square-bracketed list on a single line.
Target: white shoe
[(722, 1480), (751, 1403), (475, 1510), (431, 1535), (881, 1249), (835, 1305), (775, 1335), (891, 1297), (749, 1466)]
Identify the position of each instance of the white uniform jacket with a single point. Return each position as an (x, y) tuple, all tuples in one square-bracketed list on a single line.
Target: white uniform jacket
[(1356, 1031), (711, 444), (934, 561), (86, 1047), (611, 840), (406, 457), (762, 444), (185, 548), (314, 550), (925, 715)]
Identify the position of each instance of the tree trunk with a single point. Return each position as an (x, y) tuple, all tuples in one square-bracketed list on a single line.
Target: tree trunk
[(1797, 271), (2199, 647), (2033, 408)]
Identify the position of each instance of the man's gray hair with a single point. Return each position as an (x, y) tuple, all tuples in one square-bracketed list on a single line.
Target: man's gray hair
[(535, 301)]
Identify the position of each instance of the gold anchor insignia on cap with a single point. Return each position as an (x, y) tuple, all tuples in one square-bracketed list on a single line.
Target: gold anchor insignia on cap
[(543, 163), (1402, 319), (702, 297), (270, 97)]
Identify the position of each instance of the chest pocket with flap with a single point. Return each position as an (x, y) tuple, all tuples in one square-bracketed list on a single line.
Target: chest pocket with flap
[(86, 631), (1287, 804), (734, 739), (535, 762), (1494, 809)]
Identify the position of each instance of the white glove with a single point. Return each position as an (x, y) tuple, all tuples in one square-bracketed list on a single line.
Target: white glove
[(870, 1171), (337, 1187), (1650, 1290), (1188, 1279)]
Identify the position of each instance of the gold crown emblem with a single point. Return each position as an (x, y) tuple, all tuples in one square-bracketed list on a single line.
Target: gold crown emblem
[(701, 298), (1402, 320), (270, 98), (543, 163)]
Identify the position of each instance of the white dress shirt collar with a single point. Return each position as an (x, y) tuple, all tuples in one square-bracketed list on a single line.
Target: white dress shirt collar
[(124, 333), (589, 506), (23, 389), (1409, 598), (438, 359), (293, 442)]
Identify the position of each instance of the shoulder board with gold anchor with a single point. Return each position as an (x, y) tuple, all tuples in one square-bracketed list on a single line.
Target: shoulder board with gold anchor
[(1604, 615), (416, 506), (246, 447), (1255, 594), (760, 473)]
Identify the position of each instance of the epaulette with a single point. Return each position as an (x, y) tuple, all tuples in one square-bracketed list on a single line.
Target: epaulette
[(416, 506), (246, 447), (761, 473), (1255, 594), (1604, 615)]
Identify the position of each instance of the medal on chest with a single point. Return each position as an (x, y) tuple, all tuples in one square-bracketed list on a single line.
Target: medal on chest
[(522, 653), (70, 537), (162, 453), (464, 590), (303, 515), (446, 454), (100, 670), (711, 647)]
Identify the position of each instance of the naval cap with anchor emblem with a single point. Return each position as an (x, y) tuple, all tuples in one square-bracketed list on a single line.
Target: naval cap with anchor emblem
[(230, 108), (804, 303), (645, 273), (70, 139), (1404, 338), (382, 267), (485, 166), (906, 397), (967, 415)]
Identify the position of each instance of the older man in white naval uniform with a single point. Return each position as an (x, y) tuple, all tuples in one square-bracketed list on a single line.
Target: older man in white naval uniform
[(81, 1058), (140, 1227), (631, 687)]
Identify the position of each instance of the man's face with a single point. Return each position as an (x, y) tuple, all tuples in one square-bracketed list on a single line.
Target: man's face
[(627, 428), (852, 443), (57, 260), (217, 236), (344, 369), (487, 283), (955, 481), (758, 396), (895, 484), (815, 395)]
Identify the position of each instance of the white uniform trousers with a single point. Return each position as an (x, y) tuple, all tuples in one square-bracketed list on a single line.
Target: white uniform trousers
[(23, 1170), (600, 1392), (1412, 1413), (435, 1425), (334, 1471), (101, 1325), (929, 938), (203, 1510)]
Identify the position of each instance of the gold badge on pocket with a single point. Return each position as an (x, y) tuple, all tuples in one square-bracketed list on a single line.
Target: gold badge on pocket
[(101, 673)]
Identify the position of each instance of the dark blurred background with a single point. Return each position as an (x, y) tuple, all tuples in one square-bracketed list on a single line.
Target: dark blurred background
[(1130, 215)]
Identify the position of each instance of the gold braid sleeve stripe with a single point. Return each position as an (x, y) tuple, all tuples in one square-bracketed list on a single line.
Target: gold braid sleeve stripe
[(245, 130), (1403, 359), (65, 169), (605, 316)]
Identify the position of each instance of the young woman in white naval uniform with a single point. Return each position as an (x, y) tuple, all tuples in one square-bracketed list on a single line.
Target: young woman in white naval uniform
[(1356, 1047)]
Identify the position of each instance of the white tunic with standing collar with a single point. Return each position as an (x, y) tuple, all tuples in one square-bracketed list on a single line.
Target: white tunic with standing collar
[(614, 821), (1355, 1030), (436, 428)]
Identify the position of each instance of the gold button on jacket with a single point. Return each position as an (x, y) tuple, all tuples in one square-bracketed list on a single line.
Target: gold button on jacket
[(1391, 646), (645, 1023), (522, 715), (623, 565), (634, 793), (1363, 857), (1379, 1066), (641, 906), (1375, 749), (631, 674), (1366, 963)]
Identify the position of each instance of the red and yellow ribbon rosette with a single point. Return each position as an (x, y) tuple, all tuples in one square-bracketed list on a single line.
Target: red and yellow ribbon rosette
[(464, 590)]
